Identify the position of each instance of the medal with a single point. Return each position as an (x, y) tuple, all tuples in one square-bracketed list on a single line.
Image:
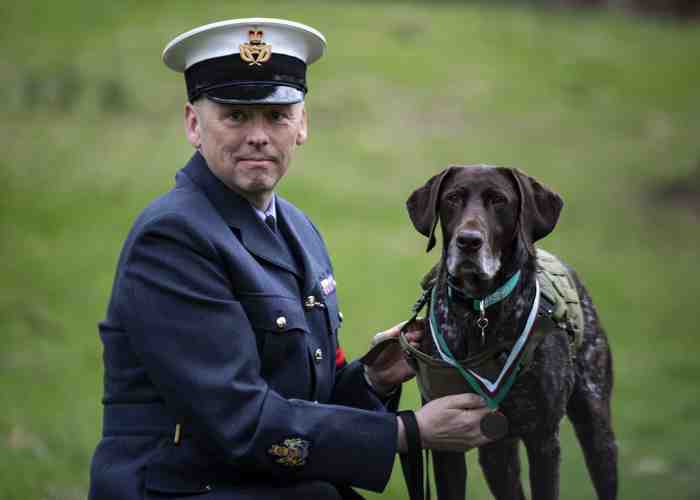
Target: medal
[(494, 425)]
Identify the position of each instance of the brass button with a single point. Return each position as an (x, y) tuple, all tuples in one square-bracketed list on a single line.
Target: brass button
[(340, 316), (310, 302), (281, 322), (318, 355)]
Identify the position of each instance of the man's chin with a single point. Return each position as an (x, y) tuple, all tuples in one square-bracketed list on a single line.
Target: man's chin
[(259, 184), (260, 187)]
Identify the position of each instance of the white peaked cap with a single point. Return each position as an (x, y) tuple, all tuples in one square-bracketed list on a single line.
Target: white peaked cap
[(242, 60)]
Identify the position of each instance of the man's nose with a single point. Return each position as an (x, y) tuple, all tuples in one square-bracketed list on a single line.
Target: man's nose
[(257, 135)]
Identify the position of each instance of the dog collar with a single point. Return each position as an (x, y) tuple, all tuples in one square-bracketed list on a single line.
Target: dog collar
[(501, 293)]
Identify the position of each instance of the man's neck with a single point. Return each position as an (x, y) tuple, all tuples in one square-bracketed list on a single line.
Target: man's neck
[(261, 201)]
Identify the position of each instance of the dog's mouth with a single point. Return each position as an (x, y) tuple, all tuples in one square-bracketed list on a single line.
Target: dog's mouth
[(469, 272), (473, 273)]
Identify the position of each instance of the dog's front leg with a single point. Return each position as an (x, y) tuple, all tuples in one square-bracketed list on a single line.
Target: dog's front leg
[(552, 377), (501, 465), (544, 456), (450, 475)]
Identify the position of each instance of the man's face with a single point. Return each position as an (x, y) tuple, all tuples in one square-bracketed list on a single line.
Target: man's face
[(248, 147)]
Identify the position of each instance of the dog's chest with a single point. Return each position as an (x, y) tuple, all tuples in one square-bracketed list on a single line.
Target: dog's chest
[(466, 337), (538, 397)]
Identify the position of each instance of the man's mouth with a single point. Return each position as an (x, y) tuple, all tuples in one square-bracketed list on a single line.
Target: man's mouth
[(256, 159)]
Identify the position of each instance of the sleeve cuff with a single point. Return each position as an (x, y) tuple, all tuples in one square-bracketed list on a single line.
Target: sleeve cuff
[(383, 396)]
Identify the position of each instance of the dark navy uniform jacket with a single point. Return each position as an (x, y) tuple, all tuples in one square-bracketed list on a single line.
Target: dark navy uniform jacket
[(210, 326)]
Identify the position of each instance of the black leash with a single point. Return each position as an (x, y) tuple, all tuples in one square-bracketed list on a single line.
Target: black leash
[(412, 460)]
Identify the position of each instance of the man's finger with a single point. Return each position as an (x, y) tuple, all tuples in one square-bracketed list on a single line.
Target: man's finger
[(414, 335), (479, 413), (466, 401), (382, 336), (416, 326)]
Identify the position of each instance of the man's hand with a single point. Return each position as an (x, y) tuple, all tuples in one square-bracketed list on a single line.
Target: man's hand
[(390, 368), (450, 423)]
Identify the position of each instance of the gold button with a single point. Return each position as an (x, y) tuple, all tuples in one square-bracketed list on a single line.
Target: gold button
[(318, 355), (340, 315), (281, 322), (310, 302)]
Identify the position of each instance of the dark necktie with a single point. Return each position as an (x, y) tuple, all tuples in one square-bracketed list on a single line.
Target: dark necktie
[(270, 221)]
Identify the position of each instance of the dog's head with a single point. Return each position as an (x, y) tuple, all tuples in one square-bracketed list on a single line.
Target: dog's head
[(490, 218)]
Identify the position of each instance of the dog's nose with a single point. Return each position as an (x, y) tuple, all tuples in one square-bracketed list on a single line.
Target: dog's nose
[(470, 240)]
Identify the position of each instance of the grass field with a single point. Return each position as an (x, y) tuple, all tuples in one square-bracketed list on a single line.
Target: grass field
[(600, 107)]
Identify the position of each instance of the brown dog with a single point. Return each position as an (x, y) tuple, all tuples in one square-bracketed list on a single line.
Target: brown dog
[(490, 218)]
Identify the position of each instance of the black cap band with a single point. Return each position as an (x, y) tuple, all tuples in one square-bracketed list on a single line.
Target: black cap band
[(215, 77)]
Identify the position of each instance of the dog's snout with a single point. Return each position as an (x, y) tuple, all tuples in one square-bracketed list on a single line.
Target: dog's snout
[(470, 240)]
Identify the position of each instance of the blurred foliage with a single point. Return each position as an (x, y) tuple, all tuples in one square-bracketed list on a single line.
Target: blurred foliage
[(600, 106), (679, 10)]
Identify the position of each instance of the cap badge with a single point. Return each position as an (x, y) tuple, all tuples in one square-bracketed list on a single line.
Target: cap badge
[(255, 52), (292, 453)]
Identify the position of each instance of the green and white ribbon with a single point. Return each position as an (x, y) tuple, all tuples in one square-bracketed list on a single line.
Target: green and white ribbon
[(492, 391)]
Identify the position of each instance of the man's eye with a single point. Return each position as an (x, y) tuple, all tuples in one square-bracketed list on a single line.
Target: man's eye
[(237, 116), (277, 116)]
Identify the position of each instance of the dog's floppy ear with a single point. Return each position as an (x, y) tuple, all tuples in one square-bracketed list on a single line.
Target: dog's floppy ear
[(424, 205), (539, 209)]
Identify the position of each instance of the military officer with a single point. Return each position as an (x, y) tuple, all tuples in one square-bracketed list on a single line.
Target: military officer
[(224, 377)]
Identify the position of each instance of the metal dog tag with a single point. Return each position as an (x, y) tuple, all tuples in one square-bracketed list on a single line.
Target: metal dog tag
[(494, 425)]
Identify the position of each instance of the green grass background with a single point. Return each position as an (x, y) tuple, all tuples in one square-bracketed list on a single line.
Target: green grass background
[(599, 106)]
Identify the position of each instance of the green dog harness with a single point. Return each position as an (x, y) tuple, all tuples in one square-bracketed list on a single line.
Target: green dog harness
[(558, 287)]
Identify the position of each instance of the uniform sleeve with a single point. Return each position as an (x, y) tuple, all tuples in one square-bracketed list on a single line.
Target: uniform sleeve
[(351, 389), (199, 349)]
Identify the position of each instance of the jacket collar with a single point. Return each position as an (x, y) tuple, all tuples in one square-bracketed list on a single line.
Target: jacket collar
[(239, 214)]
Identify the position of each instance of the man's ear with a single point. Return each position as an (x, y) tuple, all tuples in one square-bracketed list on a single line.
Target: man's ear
[(303, 133), (192, 126), (539, 209), (424, 205)]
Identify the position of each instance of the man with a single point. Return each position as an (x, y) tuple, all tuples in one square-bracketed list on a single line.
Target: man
[(223, 373)]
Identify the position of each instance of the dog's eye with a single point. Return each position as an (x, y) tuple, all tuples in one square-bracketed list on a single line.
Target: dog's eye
[(453, 198), (498, 200)]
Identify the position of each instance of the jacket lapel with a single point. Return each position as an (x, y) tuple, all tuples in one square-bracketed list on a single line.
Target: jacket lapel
[(301, 235), (240, 216)]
